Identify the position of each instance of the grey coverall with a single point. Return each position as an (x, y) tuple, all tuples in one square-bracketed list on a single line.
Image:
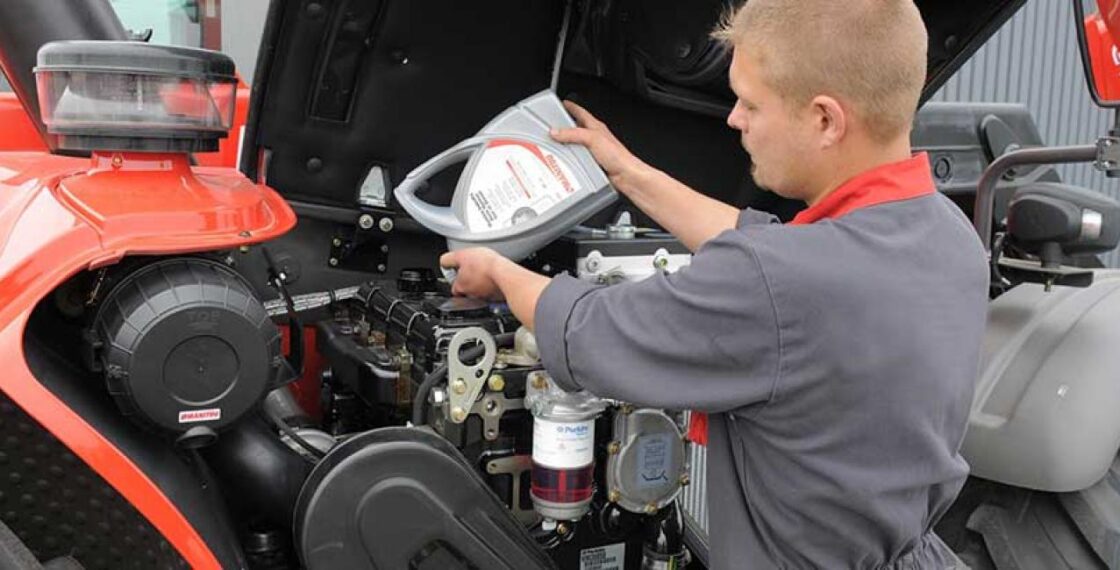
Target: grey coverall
[(836, 359)]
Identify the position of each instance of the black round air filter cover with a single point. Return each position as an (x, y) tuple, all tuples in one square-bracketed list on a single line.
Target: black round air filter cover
[(185, 342)]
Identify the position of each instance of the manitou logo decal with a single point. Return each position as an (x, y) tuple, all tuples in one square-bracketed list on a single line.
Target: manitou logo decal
[(191, 416)]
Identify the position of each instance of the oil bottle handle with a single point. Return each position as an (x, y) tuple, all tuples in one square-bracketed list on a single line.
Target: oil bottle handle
[(440, 219)]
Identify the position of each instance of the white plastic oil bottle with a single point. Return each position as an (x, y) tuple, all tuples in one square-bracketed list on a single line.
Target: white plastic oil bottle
[(519, 189)]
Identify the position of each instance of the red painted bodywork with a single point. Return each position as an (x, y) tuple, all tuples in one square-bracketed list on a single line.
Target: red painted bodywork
[(61, 215), (1110, 12), (1101, 31)]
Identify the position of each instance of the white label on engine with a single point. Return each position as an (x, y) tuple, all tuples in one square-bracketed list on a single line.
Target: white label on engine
[(654, 460), (191, 416), (563, 445), (610, 557), (513, 182)]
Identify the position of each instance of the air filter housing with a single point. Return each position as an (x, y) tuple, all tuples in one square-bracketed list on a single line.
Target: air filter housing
[(131, 96)]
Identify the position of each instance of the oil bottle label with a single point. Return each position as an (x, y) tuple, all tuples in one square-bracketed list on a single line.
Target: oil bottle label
[(515, 181), (563, 445)]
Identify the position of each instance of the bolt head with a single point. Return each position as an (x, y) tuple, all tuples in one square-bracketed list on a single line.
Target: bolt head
[(685, 480), (651, 508), (381, 267), (243, 249), (614, 496), (438, 396), (614, 447), (333, 261), (386, 224), (459, 386), (336, 242), (365, 221), (458, 414), (561, 529), (497, 383), (385, 249)]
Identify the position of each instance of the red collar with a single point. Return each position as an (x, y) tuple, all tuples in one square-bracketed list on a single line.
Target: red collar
[(892, 182)]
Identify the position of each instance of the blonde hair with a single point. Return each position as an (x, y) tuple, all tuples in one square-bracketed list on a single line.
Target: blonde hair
[(870, 54)]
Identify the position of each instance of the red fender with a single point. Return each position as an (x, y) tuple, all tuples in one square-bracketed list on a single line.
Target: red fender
[(59, 216)]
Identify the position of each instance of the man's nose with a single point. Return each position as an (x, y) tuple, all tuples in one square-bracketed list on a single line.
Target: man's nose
[(736, 119)]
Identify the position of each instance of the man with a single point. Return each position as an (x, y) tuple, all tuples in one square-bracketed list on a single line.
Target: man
[(836, 354)]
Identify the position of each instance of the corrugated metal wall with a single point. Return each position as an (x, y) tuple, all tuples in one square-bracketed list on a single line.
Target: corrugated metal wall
[(1034, 60)]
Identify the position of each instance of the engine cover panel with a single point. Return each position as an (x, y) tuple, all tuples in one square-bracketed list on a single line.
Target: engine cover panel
[(406, 498)]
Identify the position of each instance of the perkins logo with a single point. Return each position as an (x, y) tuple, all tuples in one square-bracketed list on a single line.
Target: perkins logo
[(572, 430), (191, 416)]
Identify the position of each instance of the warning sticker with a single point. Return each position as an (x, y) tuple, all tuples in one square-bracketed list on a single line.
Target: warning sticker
[(609, 557), (515, 181)]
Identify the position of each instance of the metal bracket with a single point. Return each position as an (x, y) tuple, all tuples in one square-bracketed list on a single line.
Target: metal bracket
[(1108, 155), (464, 381), (365, 245), (490, 408), (1034, 272), (514, 466)]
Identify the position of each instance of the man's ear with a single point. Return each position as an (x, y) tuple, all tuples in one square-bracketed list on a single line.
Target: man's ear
[(830, 120)]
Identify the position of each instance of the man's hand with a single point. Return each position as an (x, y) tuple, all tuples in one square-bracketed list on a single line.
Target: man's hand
[(484, 274), (623, 168), (476, 267), (684, 212)]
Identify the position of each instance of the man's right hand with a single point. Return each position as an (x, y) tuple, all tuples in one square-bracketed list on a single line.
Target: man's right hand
[(622, 167), (687, 214)]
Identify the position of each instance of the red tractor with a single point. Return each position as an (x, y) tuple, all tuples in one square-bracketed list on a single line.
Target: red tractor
[(259, 367)]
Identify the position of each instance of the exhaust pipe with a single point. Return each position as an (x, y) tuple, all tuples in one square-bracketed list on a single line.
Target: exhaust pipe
[(25, 25)]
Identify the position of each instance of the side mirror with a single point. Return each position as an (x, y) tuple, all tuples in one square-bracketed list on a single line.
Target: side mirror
[(1055, 220), (1097, 36)]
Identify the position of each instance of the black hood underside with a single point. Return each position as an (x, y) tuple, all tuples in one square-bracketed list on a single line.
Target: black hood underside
[(346, 87)]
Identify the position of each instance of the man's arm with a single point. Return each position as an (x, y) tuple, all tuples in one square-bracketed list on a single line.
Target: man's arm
[(484, 274), (521, 288), (689, 215), (704, 338)]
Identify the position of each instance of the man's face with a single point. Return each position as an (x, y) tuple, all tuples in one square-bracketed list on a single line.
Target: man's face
[(774, 134)]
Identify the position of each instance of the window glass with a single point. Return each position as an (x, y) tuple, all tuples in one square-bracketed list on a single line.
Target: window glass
[(175, 22)]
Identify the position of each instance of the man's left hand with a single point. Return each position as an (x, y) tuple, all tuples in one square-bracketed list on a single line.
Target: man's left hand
[(476, 268)]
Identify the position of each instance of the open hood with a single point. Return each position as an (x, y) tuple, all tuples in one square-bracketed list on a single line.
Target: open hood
[(351, 95)]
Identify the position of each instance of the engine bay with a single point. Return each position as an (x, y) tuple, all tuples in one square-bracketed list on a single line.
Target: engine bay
[(276, 396)]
